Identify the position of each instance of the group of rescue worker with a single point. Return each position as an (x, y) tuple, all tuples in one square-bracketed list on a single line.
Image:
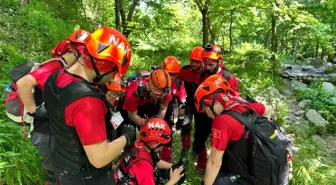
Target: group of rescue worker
[(86, 114)]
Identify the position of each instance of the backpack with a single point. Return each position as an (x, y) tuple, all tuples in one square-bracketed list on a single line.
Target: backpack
[(14, 107), (140, 77), (271, 151)]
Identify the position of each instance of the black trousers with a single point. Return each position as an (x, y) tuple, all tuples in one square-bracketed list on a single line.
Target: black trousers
[(103, 176), (202, 131)]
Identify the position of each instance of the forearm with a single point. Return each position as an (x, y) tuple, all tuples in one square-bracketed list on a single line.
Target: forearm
[(162, 111), (163, 165), (136, 118), (268, 111), (101, 154), (211, 172), (25, 90)]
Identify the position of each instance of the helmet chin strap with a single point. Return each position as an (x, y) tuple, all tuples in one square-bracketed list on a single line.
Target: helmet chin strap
[(98, 75)]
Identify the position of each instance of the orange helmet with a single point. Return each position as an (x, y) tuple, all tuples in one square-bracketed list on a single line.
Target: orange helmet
[(171, 65), (212, 84), (108, 46), (74, 43), (196, 54), (159, 81), (154, 133), (212, 52), (116, 84), (78, 36)]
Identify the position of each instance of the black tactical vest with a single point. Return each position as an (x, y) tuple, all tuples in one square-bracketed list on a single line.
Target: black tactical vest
[(41, 126), (69, 154)]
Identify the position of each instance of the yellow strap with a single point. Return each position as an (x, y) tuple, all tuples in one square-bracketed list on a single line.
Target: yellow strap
[(274, 134)]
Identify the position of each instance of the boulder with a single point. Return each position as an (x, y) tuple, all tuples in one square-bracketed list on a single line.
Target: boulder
[(331, 143), (298, 85), (304, 104), (319, 141), (302, 126), (317, 120), (314, 62), (327, 86), (330, 69), (300, 113), (325, 67)]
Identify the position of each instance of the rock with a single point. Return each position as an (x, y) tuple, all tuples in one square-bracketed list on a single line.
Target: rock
[(302, 126), (300, 113), (331, 77), (298, 85), (327, 86), (325, 67), (315, 62), (317, 120), (304, 104), (331, 143), (319, 141), (330, 69)]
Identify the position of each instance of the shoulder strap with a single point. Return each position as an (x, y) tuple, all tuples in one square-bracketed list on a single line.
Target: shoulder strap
[(226, 74), (178, 84), (247, 121)]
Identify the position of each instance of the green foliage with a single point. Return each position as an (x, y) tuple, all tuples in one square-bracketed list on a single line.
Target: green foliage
[(311, 164), (319, 97), (20, 162)]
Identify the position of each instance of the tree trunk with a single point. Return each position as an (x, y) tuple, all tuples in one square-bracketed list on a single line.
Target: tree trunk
[(322, 54), (205, 27), (297, 42), (316, 49), (274, 42), (230, 32), (117, 15)]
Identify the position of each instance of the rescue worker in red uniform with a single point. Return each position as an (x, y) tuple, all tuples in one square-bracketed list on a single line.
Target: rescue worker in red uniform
[(148, 96), (41, 137), (115, 89), (79, 115), (212, 60), (136, 164), (213, 64), (176, 108), (214, 96), (190, 75)]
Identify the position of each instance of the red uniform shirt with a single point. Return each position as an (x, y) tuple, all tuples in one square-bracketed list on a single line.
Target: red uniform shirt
[(131, 101), (178, 92), (85, 114), (191, 80), (41, 74), (143, 170), (225, 128)]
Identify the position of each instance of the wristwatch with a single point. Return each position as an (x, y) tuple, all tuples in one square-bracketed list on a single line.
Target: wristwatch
[(32, 114)]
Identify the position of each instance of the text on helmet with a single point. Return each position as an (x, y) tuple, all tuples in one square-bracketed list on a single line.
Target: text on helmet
[(156, 125)]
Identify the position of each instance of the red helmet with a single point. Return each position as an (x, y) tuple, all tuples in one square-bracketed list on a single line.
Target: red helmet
[(155, 132), (116, 84), (211, 85), (212, 52), (171, 65), (196, 54), (74, 43), (109, 48)]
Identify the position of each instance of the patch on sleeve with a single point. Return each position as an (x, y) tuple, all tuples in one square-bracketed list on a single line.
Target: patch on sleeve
[(216, 134)]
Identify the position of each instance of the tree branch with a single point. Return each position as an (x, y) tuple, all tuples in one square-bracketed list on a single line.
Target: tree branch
[(122, 12), (199, 5), (131, 11)]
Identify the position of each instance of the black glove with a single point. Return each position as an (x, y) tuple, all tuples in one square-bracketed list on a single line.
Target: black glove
[(202, 182), (182, 162), (129, 132), (40, 113), (179, 123)]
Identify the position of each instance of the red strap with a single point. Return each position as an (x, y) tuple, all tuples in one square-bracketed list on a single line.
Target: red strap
[(11, 96), (24, 124)]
